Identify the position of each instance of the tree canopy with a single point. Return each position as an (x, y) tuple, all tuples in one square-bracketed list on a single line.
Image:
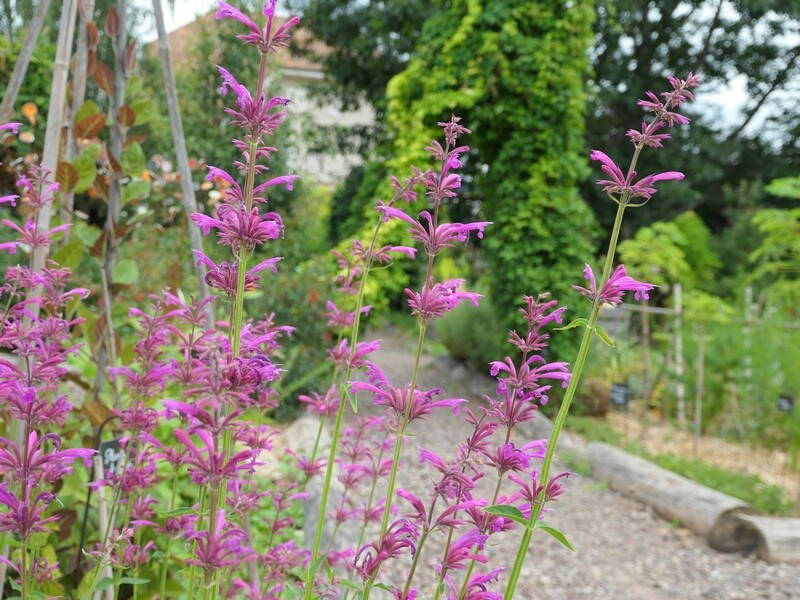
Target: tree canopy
[(726, 41)]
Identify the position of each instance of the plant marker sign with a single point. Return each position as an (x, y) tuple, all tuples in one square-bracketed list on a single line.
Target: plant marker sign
[(620, 394), (112, 455), (786, 403)]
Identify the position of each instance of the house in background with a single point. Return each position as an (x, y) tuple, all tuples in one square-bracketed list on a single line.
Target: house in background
[(294, 78)]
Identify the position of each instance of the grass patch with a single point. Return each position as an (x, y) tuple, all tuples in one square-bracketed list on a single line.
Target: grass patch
[(766, 497), (594, 430)]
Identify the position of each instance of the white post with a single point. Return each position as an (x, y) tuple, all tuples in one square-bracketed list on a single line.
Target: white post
[(698, 392), (747, 367), (681, 387)]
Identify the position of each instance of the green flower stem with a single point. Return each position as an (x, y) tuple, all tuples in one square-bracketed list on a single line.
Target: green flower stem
[(115, 501), (471, 567), (337, 426), (24, 568), (558, 425), (371, 498), (200, 516), (165, 565), (398, 445)]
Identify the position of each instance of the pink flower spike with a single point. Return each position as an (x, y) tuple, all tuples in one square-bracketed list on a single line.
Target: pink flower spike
[(12, 127)]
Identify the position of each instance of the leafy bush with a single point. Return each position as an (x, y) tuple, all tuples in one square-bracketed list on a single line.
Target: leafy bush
[(473, 334)]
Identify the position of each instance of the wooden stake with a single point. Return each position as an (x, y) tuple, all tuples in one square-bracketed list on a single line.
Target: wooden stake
[(698, 392), (681, 387), (181, 154), (52, 136)]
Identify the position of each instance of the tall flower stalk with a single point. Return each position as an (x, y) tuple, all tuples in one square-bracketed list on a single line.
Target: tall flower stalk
[(359, 267), (435, 298), (626, 192)]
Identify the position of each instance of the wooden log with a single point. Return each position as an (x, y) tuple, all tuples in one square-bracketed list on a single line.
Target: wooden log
[(773, 539), (709, 513)]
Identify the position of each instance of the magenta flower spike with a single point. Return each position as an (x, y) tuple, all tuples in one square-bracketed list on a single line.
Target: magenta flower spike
[(265, 39), (615, 288), (621, 187), (438, 299)]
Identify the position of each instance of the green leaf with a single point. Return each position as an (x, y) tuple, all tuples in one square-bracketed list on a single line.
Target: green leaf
[(38, 540), (138, 189), (601, 333), (125, 272), (145, 110), (134, 580), (353, 398), (133, 160), (575, 323), (86, 167), (104, 583), (87, 109), (510, 512), (178, 512), (134, 87), (87, 234), (555, 533), (312, 570), (70, 254)]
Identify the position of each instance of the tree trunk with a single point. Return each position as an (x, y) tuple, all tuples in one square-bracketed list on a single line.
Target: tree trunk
[(181, 153), (21, 68), (773, 539), (117, 140), (710, 513)]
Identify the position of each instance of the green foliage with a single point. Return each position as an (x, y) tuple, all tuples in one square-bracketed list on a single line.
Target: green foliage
[(349, 205), (297, 298), (698, 250), (787, 187), (513, 72), (35, 89), (740, 237), (777, 258), (655, 255), (766, 497), (678, 251), (594, 430)]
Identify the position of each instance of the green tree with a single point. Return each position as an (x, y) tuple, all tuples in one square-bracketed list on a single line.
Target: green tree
[(777, 258), (638, 43), (514, 72)]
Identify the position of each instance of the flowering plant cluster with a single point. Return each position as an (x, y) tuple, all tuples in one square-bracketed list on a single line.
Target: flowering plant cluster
[(189, 494)]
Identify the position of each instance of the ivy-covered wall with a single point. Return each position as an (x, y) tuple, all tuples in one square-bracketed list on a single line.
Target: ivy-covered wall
[(514, 71)]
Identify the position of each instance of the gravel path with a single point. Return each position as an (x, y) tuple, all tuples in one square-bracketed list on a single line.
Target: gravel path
[(624, 551)]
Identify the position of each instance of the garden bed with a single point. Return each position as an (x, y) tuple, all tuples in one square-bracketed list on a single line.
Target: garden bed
[(659, 438)]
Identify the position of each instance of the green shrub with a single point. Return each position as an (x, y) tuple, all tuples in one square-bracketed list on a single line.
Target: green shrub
[(473, 334)]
